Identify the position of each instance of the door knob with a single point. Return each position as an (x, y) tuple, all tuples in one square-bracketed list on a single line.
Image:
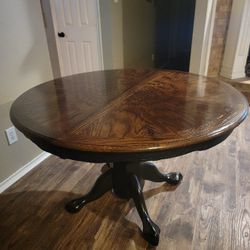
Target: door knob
[(61, 34)]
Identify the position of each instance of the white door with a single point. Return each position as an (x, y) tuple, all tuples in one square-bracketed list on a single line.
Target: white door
[(76, 24)]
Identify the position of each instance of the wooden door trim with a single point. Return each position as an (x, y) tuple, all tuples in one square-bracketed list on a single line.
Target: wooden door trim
[(51, 38), (54, 22)]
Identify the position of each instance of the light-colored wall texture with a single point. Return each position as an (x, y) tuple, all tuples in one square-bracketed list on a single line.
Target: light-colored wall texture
[(112, 33), (24, 63), (222, 17), (127, 33), (138, 33)]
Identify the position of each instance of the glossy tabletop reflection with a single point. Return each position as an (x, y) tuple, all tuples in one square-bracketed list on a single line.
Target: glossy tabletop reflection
[(126, 117), (128, 111)]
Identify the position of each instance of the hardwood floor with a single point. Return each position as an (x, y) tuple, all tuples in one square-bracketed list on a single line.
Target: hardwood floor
[(242, 87), (210, 209)]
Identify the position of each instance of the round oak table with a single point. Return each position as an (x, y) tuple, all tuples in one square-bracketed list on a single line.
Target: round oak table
[(125, 118)]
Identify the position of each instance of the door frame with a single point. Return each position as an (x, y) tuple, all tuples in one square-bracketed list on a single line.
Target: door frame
[(205, 12), (238, 40), (50, 23)]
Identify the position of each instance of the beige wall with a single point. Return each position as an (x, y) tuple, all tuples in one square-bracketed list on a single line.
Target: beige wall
[(24, 63), (112, 33), (138, 33), (127, 33)]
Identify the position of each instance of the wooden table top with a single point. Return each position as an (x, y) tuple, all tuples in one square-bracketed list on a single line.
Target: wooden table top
[(124, 113)]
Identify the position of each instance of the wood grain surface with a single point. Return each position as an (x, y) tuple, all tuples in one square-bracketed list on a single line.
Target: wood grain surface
[(210, 210), (128, 111)]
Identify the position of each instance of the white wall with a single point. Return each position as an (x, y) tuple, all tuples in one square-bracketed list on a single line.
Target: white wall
[(24, 63)]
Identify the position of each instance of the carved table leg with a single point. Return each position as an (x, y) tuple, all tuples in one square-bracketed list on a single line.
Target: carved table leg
[(148, 171), (151, 231), (101, 186), (127, 180)]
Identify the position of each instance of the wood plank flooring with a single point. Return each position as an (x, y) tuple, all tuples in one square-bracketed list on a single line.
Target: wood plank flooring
[(242, 87), (210, 209)]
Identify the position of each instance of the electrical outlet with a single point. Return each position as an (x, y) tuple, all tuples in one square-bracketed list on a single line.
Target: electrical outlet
[(11, 135)]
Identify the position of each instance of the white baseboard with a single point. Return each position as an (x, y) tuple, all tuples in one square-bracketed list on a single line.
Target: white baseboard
[(23, 171), (229, 73)]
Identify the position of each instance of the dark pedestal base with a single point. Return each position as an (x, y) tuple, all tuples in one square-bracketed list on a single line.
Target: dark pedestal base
[(127, 180)]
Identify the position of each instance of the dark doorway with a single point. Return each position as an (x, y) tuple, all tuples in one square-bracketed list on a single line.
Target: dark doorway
[(173, 33)]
